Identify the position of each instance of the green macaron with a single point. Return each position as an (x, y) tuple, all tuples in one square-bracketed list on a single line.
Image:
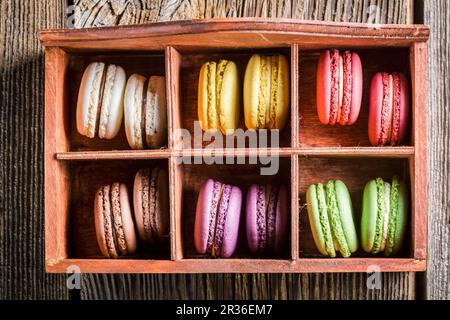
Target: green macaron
[(384, 216), (330, 214)]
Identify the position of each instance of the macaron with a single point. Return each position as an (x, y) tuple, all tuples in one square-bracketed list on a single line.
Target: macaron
[(388, 109), (266, 92), (339, 87), (267, 218), (100, 100), (217, 219), (114, 224), (330, 213), (151, 204), (145, 112), (384, 216), (219, 96)]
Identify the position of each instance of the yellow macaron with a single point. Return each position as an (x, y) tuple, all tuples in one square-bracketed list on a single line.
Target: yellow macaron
[(266, 92), (218, 96)]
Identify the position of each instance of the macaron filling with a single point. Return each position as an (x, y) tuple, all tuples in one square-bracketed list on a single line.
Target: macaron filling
[(95, 102), (263, 95), (211, 93), (390, 110), (347, 88), (387, 195), (335, 219), (335, 69), (395, 134), (381, 205), (272, 200), (221, 220), (144, 112), (110, 238), (261, 223), (217, 195), (105, 100), (275, 65), (394, 199), (119, 234), (324, 221)]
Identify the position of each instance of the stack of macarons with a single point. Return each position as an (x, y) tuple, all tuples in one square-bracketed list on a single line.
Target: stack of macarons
[(218, 215), (265, 94), (115, 223), (105, 96), (383, 218), (339, 91)]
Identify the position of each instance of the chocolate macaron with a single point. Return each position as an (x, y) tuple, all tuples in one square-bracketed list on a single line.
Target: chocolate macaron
[(151, 204), (113, 221), (267, 218), (217, 219), (339, 87)]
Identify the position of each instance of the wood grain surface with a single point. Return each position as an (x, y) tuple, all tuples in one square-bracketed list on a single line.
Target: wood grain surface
[(22, 272), (437, 15), (21, 134)]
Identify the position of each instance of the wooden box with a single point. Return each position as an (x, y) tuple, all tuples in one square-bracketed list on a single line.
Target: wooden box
[(75, 166)]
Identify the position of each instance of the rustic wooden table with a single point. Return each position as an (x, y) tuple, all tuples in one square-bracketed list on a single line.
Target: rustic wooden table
[(22, 274)]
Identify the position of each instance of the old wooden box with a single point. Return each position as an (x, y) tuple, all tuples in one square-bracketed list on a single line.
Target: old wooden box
[(76, 166)]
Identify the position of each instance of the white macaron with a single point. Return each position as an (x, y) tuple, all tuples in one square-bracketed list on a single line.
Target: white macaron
[(100, 100), (145, 112)]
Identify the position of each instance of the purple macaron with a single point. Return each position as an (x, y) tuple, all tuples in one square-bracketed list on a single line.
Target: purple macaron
[(217, 219), (267, 218)]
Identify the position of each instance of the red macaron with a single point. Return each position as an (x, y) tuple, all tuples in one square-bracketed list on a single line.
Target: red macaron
[(339, 87), (388, 109)]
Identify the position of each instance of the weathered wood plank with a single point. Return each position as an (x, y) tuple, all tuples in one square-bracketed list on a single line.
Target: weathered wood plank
[(90, 13), (243, 286), (22, 272), (437, 15)]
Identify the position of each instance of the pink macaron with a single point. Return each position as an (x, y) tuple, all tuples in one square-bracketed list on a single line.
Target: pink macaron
[(339, 87), (388, 109), (267, 218), (217, 219)]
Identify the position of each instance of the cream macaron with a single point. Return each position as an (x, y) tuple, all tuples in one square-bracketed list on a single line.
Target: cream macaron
[(145, 112), (100, 100), (266, 92), (218, 96)]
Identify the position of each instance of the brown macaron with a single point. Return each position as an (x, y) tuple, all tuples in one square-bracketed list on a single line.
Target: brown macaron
[(114, 224), (151, 204)]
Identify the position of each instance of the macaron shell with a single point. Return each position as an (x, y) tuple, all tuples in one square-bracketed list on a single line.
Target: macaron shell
[(203, 216), (314, 220), (252, 82), (281, 220), (324, 87), (133, 110), (375, 108), (100, 222), (162, 205), (207, 106), (346, 211), (401, 220), (127, 220), (251, 217), (104, 223), (229, 103), (357, 88), (369, 215), (282, 94), (404, 109), (138, 190), (156, 113), (111, 113), (232, 220), (88, 96)]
